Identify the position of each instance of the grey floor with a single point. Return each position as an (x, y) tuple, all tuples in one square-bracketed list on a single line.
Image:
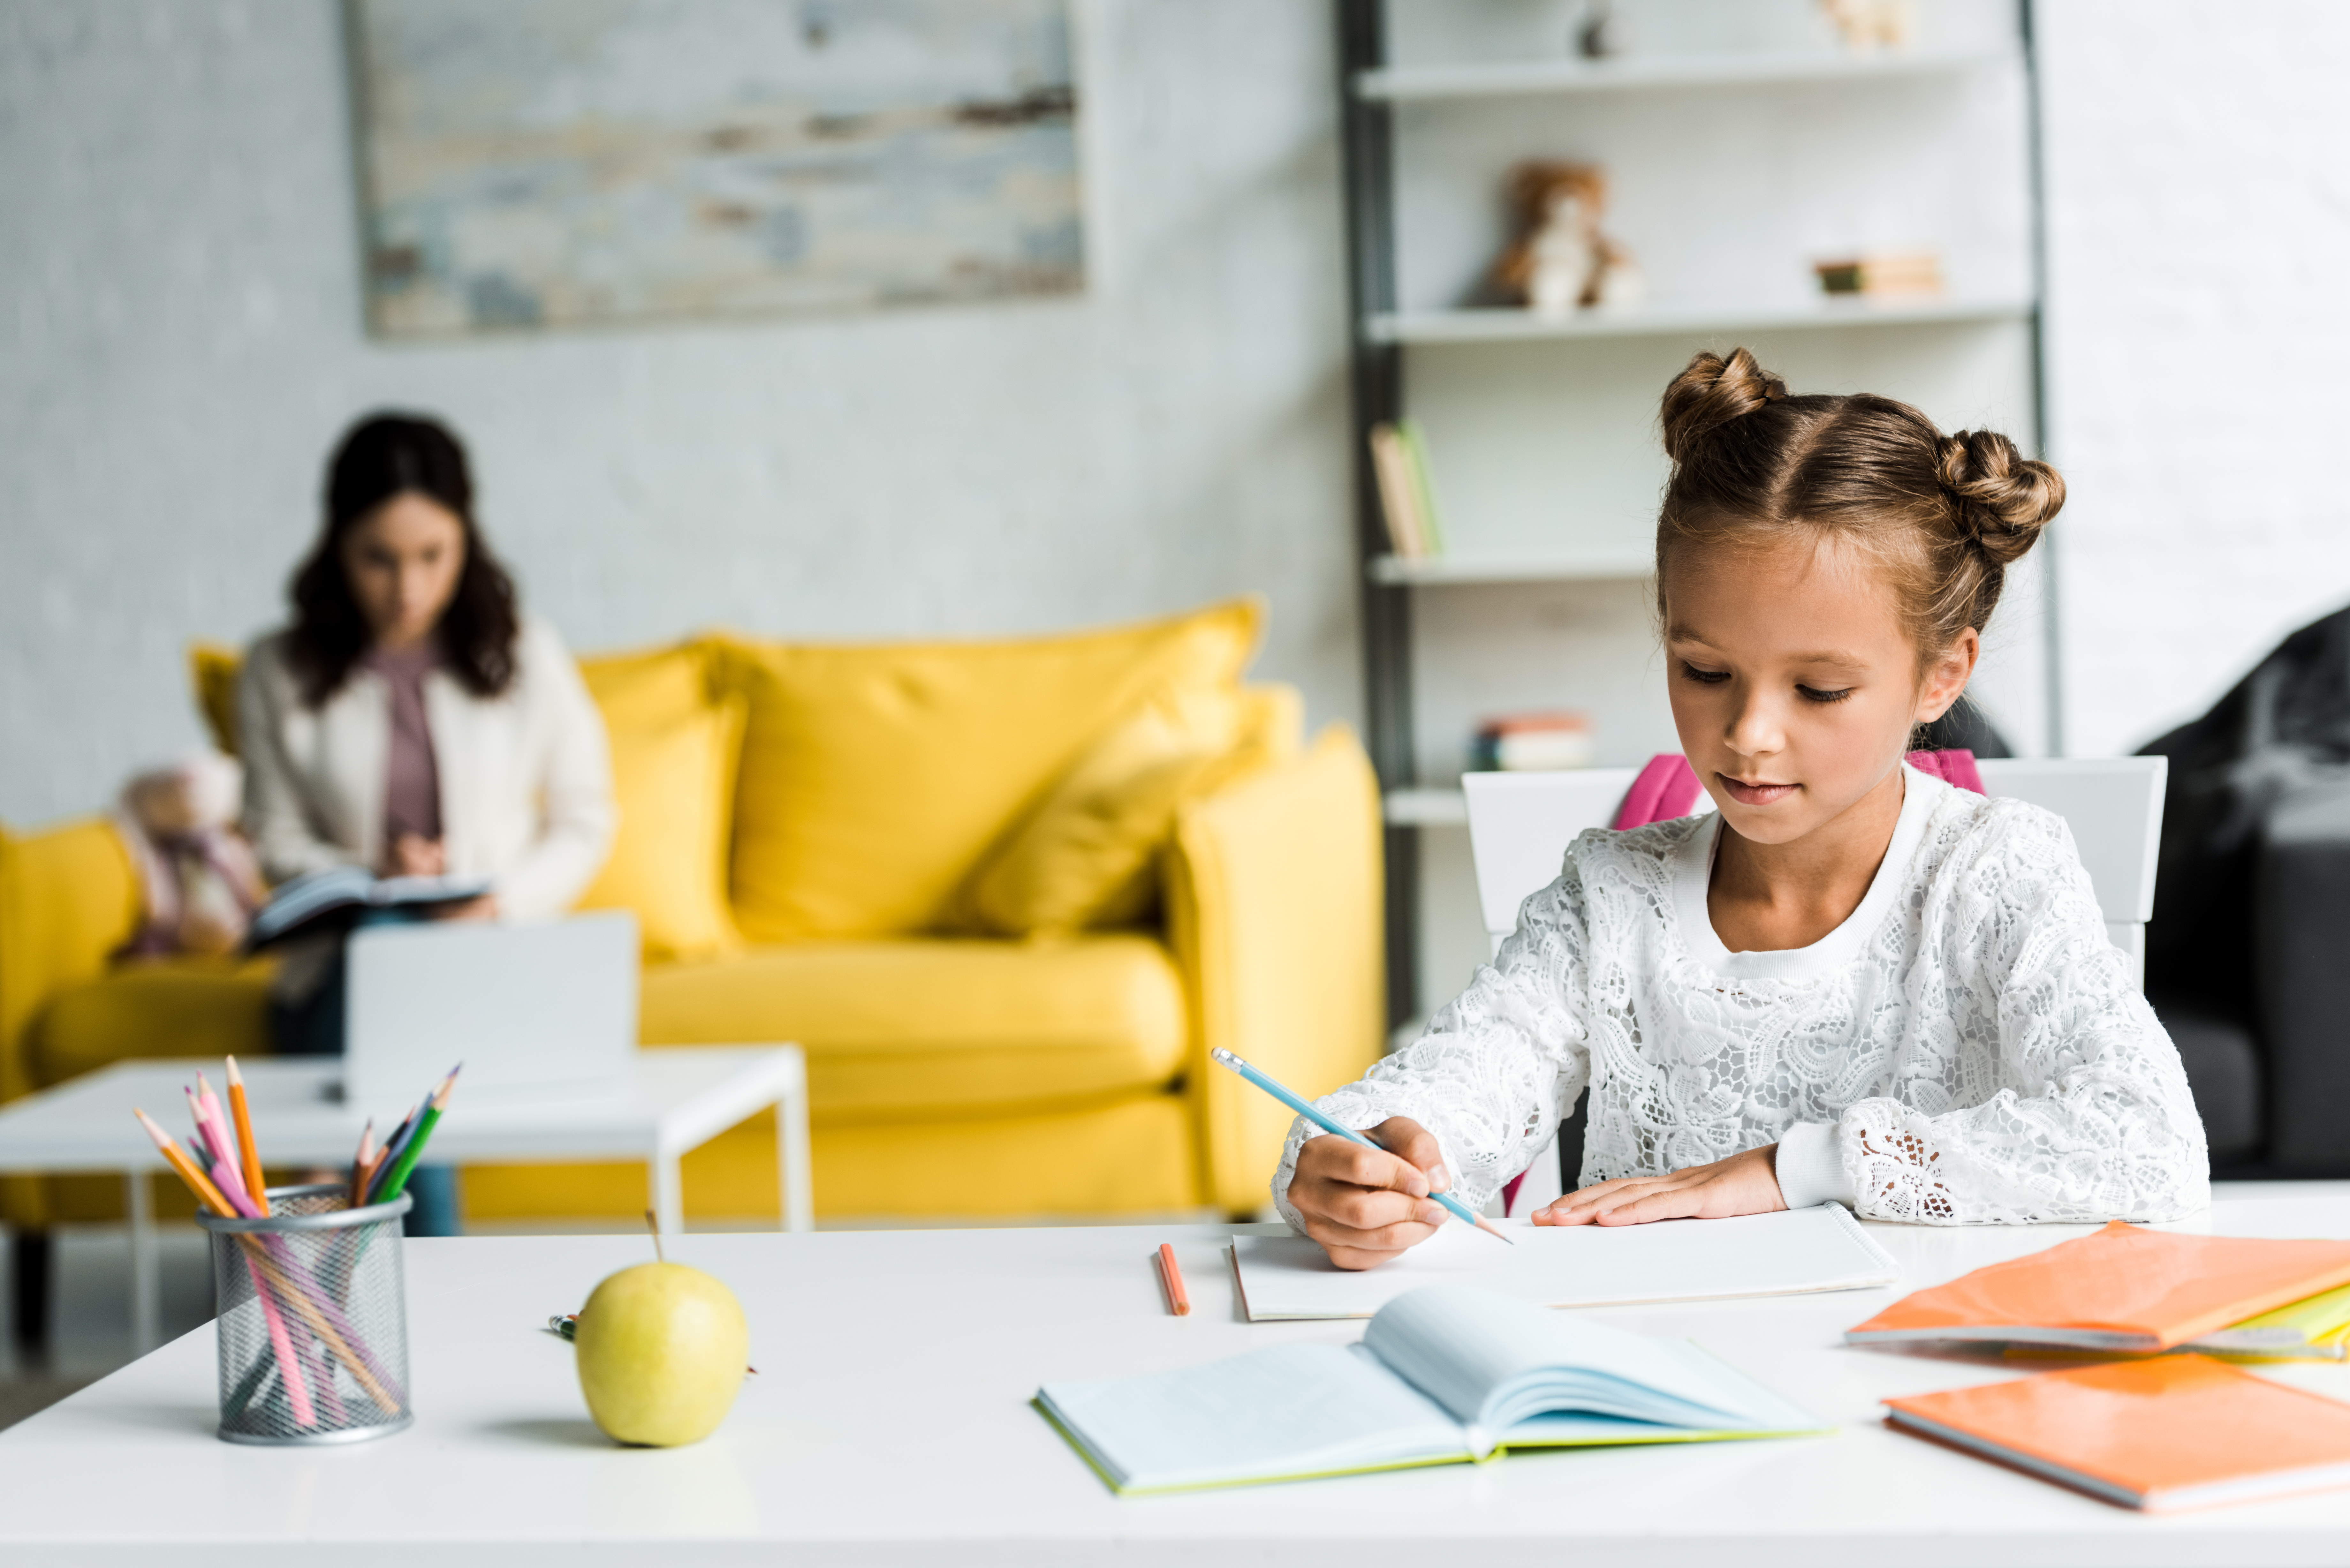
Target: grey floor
[(90, 1312)]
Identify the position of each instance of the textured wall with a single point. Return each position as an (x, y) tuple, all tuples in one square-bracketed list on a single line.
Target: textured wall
[(180, 342), (2199, 315)]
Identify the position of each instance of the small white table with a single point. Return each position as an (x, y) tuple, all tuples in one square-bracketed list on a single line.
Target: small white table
[(677, 1099), (890, 1424)]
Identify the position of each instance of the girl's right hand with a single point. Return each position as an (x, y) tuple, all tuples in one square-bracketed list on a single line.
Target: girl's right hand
[(1367, 1205)]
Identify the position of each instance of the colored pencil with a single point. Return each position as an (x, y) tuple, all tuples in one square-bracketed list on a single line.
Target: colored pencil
[(361, 1163), (390, 1149), (243, 1113), (1179, 1301), (1303, 1107), (223, 1143), (281, 1344), (390, 1184), (198, 1182)]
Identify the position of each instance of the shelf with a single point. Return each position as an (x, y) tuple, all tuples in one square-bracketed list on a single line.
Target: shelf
[(1426, 808), (1405, 84), (1436, 571), (1431, 327)]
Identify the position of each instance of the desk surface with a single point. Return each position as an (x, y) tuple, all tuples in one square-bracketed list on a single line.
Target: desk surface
[(676, 1098), (891, 1424)]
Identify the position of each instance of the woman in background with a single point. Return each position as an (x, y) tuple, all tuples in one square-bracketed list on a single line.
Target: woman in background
[(412, 721)]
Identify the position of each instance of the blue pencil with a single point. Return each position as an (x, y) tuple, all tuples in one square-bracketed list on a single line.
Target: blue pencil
[(1273, 1087)]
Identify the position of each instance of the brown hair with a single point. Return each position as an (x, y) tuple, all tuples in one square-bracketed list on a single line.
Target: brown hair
[(1943, 516), (379, 457)]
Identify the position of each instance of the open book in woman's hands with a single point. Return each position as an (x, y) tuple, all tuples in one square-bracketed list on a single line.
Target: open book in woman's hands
[(1443, 1375), (334, 897)]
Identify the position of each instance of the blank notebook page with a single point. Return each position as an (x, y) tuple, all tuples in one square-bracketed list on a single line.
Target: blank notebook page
[(1786, 1254)]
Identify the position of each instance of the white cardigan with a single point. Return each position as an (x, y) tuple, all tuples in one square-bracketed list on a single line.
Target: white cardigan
[(1965, 1048), (525, 776)]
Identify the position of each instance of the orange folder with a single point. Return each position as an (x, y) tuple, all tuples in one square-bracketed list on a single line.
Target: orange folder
[(2125, 1288), (2182, 1431)]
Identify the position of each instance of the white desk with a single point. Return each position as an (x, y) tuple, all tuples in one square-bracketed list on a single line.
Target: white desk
[(890, 1424), (677, 1099)]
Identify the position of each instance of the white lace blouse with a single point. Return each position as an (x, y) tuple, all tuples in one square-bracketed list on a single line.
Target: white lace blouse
[(1967, 1048)]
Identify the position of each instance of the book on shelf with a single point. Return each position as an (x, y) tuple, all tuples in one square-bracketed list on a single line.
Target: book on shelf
[(1444, 1374), (1407, 500)]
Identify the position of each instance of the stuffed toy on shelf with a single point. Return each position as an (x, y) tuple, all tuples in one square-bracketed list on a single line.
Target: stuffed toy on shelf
[(1560, 261)]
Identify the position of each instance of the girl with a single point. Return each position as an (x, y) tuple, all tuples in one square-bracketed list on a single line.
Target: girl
[(1854, 983), (413, 721)]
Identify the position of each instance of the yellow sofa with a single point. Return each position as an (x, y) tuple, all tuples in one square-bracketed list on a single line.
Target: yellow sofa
[(1007, 894)]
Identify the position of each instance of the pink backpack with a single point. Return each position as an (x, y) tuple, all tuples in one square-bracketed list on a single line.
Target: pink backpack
[(1668, 788)]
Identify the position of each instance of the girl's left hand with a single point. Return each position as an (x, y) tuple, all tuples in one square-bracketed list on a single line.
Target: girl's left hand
[(1746, 1183)]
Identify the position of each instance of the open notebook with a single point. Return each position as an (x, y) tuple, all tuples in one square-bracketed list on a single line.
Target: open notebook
[(1443, 1376), (1794, 1250)]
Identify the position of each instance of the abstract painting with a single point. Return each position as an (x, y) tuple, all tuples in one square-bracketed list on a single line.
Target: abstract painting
[(534, 163)]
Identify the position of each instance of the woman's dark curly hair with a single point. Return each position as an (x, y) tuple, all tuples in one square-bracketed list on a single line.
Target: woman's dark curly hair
[(380, 456)]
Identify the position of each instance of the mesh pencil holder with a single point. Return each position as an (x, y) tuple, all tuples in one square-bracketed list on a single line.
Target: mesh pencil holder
[(313, 1325)]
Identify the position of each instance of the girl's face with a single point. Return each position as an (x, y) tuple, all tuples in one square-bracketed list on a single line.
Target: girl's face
[(1795, 685), (402, 561)]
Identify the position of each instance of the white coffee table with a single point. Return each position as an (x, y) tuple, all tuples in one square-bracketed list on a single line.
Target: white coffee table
[(677, 1099), (890, 1424)]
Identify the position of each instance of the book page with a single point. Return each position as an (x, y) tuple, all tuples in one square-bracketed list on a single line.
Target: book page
[(1292, 1410), (1794, 1250), (1493, 1362)]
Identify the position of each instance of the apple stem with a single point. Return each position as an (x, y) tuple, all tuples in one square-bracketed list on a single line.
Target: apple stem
[(652, 1223)]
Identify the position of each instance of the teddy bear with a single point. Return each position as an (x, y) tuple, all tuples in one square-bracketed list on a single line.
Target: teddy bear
[(199, 879), (1560, 261)]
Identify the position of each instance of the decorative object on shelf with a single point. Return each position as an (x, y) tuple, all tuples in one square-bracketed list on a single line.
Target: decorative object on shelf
[(1883, 275), (553, 165), (1866, 24), (1600, 34), (1560, 261), (1536, 743), (1407, 500)]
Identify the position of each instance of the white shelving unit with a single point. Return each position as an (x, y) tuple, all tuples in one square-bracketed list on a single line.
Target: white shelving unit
[(1428, 571), (1742, 145), (1495, 325), (1410, 84)]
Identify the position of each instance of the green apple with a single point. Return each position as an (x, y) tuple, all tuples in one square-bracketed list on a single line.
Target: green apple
[(662, 1351)]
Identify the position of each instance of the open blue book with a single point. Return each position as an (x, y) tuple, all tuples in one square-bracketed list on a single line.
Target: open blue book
[(1444, 1374)]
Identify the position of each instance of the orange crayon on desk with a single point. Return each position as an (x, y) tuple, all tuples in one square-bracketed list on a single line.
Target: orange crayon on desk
[(1179, 1301)]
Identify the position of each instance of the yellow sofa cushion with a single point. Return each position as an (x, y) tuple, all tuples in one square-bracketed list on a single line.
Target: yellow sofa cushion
[(673, 756), (1133, 1157), (1088, 855), (940, 1028), (1084, 856), (874, 778), (163, 1007)]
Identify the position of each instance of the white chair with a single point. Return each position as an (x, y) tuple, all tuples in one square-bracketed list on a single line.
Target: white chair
[(1521, 824)]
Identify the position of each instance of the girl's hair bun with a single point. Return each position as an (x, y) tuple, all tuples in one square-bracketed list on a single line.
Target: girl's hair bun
[(2002, 499), (1711, 392)]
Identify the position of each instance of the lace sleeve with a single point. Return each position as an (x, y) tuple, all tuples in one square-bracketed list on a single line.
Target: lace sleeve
[(1500, 1064), (2083, 1111)]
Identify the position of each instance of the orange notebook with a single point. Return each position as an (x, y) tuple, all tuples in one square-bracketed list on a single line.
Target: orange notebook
[(2125, 1288), (2183, 1431)]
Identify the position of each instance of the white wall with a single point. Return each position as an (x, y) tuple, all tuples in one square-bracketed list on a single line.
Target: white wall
[(2198, 327), (180, 343)]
